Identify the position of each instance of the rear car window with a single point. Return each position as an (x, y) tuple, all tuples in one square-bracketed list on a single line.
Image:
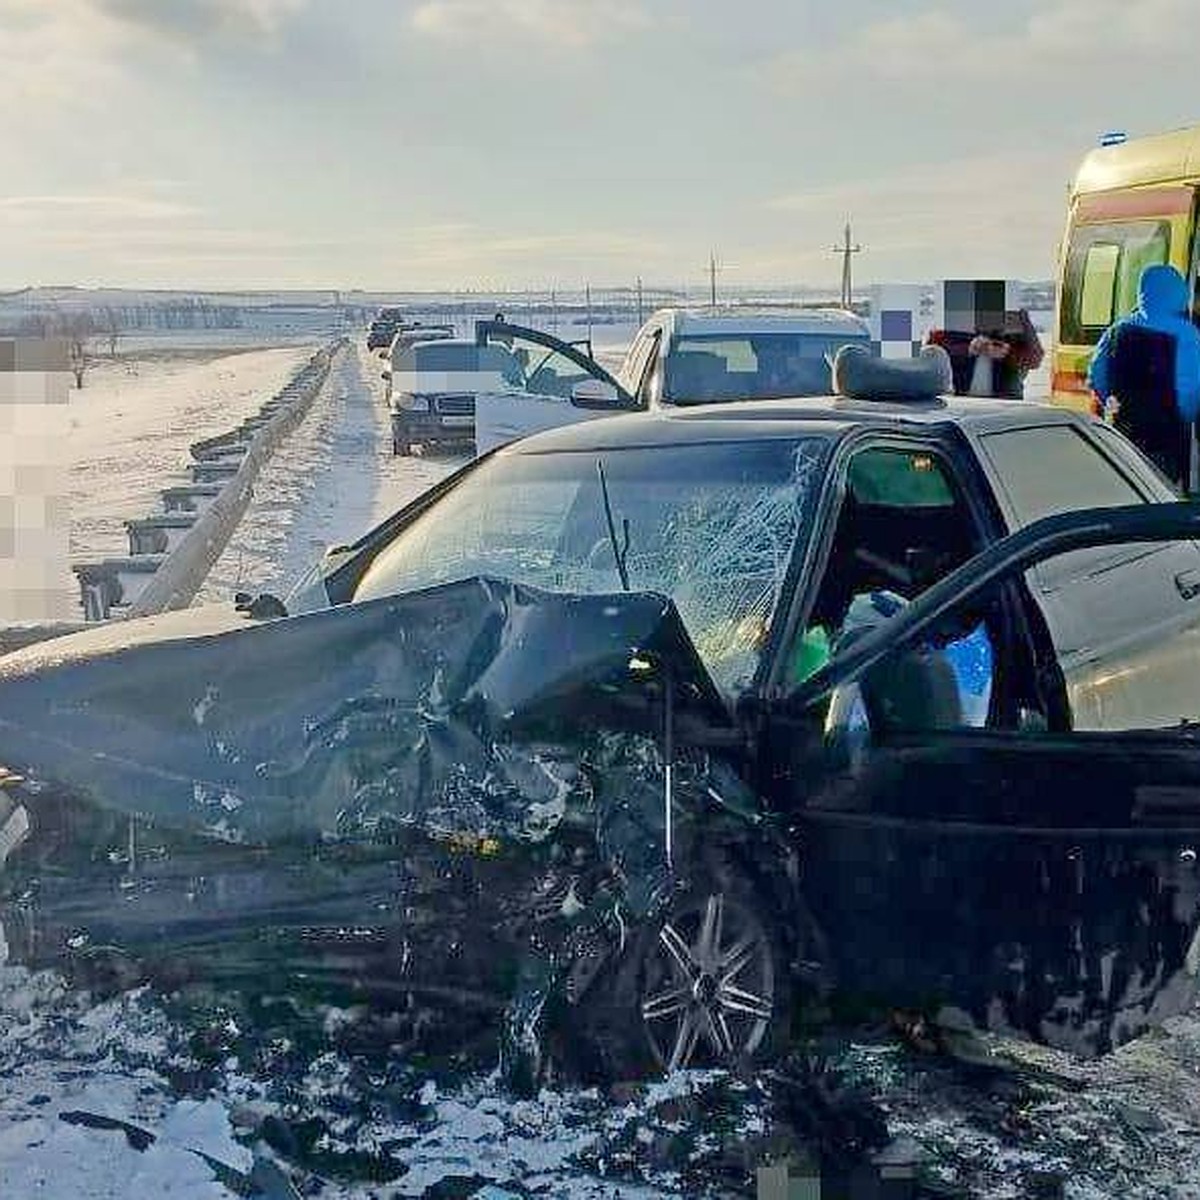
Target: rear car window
[(442, 356), (755, 366)]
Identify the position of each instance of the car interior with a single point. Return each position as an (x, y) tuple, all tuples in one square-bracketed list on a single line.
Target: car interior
[(903, 526), (744, 368), (699, 376)]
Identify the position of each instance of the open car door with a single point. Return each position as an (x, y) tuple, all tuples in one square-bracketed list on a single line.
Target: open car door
[(553, 383), (1027, 867)]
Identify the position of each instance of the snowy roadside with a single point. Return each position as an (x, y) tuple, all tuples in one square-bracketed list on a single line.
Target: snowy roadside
[(115, 1098), (332, 480), (132, 423)]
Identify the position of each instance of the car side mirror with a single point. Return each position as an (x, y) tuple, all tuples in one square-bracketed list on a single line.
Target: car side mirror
[(595, 394)]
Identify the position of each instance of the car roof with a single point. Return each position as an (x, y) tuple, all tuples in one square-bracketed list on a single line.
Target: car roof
[(426, 333), (823, 416), (745, 320), (445, 343), (417, 349)]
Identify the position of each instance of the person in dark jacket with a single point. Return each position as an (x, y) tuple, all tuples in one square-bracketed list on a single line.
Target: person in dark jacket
[(992, 362), (1145, 373)]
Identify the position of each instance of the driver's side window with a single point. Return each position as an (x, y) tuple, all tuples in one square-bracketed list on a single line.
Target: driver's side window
[(903, 525)]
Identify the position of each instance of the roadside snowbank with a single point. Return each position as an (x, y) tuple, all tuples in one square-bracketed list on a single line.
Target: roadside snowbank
[(131, 424), (332, 480)]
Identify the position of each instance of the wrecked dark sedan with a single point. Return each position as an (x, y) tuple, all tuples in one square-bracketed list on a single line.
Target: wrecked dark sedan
[(632, 741)]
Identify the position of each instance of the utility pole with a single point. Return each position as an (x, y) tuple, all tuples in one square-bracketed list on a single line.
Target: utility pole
[(587, 292), (641, 318), (712, 278), (847, 250)]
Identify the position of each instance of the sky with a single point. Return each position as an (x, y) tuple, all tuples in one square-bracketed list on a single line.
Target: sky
[(448, 144)]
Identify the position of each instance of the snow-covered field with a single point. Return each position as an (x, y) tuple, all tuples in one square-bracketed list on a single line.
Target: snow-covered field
[(130, 426), (120, 1099)]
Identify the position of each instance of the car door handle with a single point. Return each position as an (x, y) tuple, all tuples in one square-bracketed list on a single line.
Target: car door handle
[(1187, 584)]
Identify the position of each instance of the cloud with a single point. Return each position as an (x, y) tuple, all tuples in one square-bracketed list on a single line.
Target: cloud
[(573, 24), (203, 18), (995, 213), (74, 56), (92, 207), (134, 239), (460, 251), (57, 52), (1061, 41)]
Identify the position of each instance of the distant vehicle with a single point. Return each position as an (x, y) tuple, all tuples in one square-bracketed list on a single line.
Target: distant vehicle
[(409, 336), (380, 334), (679, 358), (586, 755), (1132, 205), (432, 385), (387, 322)]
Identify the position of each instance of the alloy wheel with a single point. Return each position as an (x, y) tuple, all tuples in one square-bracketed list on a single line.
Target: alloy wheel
[(709, 992)]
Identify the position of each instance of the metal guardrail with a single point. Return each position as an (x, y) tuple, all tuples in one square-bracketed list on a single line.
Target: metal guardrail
[(172, 552), (15, 637)]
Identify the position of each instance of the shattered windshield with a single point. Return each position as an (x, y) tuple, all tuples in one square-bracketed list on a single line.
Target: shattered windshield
[(712, 526)]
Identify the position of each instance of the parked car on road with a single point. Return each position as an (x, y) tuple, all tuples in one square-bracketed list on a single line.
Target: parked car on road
[(432, 385), (410, 336), (679, 357), (701, 356), (628, 742), (380, 334), (387, 323)]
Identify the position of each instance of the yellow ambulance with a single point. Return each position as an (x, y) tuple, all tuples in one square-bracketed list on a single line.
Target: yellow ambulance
[(1132, 204)]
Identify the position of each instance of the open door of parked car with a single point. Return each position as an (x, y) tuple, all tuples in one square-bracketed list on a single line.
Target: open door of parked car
[(998, 827), (560, 383)]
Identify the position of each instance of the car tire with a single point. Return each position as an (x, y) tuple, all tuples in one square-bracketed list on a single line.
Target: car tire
[(680, 997)]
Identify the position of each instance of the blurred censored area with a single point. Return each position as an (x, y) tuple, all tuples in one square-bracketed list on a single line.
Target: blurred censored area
[(34, 530)]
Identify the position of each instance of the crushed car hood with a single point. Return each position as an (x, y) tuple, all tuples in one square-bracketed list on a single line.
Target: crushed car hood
[(327, 724)]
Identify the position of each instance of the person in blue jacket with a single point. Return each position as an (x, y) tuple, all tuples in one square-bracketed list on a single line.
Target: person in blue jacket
[(1145, 373)]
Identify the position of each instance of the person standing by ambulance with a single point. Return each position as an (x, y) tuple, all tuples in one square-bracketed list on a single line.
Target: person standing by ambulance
[(1145, 373)]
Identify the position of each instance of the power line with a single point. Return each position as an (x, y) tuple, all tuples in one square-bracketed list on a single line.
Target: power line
[(713, 268), (847, 250)]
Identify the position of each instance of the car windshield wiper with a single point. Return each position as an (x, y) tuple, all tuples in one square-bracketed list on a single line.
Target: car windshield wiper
[(620, 551)]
